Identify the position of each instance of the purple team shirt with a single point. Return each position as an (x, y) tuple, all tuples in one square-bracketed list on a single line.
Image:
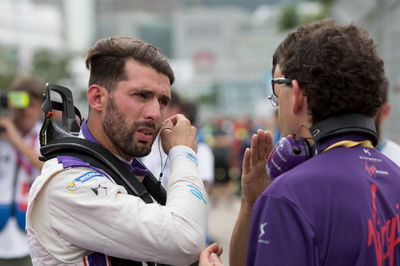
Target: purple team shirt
[(341, 207)]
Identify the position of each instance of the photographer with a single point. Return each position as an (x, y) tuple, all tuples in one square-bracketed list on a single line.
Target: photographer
[(19, 165)]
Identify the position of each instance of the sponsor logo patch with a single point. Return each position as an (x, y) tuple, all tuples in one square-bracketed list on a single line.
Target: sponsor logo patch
[(192, 158), (262, 234), (99, 190), (73, 186), (372, 170), (197, 193)]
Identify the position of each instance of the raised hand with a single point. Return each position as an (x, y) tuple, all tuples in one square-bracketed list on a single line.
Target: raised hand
[(177, 130), (254, 175)]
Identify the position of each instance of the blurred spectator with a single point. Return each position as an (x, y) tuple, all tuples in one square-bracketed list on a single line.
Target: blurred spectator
[(221, 145), (385, 145), (19, 165), (205, 155)]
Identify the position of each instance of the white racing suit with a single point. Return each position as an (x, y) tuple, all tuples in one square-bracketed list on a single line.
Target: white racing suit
[(78, 215)]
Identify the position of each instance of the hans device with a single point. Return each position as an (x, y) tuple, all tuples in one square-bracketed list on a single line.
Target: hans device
[(291, 150)]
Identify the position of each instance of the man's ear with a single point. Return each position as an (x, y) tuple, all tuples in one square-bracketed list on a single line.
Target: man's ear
[(385, 111), (299, 100), (96, 97)]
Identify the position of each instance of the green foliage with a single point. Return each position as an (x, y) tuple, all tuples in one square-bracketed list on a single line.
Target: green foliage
[(325, 2), (8, 66), (210, 98), (289, 18), (50, 66), (308, 19)]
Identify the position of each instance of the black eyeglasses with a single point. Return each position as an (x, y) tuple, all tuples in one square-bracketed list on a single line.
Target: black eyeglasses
[(273, 98)]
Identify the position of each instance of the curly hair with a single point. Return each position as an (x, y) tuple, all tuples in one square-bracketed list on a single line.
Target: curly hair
[(106, 60), (337, 67)]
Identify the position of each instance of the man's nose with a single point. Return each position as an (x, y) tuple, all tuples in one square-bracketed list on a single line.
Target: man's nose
[(153, 110)]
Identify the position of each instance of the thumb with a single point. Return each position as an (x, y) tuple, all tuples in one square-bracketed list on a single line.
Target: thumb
[(215, 259), (246, 160)]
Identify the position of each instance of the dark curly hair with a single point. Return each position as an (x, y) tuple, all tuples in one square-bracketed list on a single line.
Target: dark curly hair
[(337, 67), (106, 60)]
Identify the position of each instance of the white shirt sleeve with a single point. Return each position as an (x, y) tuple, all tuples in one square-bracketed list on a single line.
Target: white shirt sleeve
[(206, 163), (90, 211)]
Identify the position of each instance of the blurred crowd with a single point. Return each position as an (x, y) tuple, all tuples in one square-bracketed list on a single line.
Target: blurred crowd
[(229, 138)]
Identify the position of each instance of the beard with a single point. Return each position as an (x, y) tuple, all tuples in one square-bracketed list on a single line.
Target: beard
[(122, 135)]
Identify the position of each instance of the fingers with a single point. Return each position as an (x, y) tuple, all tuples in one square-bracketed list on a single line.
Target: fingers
[(254, 147), (167, 124), (220, 250), (262, 143), (215, 248), (261, 146), (210, 255), (215, 260), (204, 255), (246, 161), (178, 119), (181, 133), (269, 143)]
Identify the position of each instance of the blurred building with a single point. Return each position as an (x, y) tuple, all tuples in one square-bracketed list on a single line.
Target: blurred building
[(230, 57), (248, 4), (164, 7), (147, 26), (26, 26), (224, 57)]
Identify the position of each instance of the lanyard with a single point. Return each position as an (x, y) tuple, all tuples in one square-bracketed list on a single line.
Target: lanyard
[(349, 144)]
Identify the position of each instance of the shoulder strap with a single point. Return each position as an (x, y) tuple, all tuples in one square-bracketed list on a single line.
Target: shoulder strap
[(99, 157)]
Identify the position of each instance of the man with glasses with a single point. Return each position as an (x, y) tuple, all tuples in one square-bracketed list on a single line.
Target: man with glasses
[(340, 205)]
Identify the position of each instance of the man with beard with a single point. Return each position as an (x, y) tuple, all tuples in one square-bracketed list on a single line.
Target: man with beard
[(78, 215)]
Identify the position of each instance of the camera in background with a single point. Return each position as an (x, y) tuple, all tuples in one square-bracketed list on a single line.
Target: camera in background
[(13, 100)]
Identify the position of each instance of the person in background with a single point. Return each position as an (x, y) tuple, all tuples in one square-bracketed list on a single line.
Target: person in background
[(388, 147), (204, 151), (19, 165)]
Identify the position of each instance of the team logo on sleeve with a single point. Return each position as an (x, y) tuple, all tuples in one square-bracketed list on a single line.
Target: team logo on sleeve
[(99, 190), (73, 186), (197, 193), (192, 158), (261, 236)]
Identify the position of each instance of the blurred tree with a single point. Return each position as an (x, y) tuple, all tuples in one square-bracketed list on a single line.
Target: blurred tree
[(50, 66), (8, 66), (291, 17), (325, 2), (212, 97)]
